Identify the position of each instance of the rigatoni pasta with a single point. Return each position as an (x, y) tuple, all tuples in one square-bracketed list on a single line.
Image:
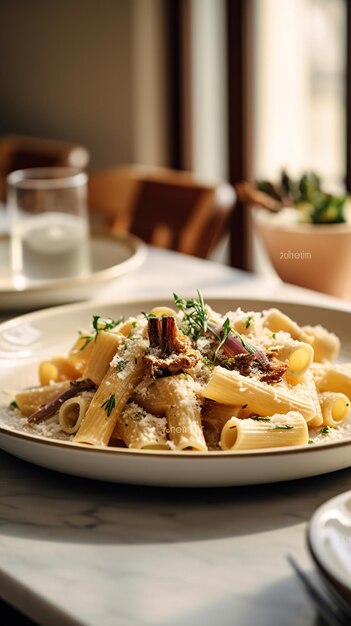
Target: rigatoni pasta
[(189, 378), (279, 430)]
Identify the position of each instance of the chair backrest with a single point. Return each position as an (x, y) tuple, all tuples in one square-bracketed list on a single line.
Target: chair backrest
[(166, 208), (20, 152)]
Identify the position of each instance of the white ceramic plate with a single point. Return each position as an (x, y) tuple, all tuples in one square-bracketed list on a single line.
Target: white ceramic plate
[(28, 339), (112, 256), (329, 538)]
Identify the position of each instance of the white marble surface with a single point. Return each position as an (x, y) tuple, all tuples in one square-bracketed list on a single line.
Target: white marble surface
[(74, 551)]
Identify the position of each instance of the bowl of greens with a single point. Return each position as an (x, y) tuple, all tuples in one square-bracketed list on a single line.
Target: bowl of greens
[(306, 232)]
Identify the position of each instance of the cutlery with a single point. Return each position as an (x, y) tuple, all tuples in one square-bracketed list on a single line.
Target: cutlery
[(333, 609)]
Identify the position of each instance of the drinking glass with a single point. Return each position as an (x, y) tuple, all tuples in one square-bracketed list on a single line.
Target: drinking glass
[(49, 224)]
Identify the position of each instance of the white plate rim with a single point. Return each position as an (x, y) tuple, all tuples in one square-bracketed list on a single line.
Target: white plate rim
[(265, 452)]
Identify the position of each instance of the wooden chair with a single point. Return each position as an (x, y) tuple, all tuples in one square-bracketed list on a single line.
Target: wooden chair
[(165, 208), (20, 152)]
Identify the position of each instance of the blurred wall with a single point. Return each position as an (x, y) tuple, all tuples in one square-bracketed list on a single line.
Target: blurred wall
[(67, 71)]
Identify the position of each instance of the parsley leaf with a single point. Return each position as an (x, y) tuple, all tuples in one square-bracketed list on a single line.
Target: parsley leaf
[(105, 323)]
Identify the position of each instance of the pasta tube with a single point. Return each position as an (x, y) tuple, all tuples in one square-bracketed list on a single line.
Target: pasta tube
[(298, 356), (160, 311), (183, 411), (104, 348), (333, 378), (229, 387), (335, 408), (214, 416), (268, 432), (310, 384), (71, 413), (326, 345), (81, 348), (112, 395), (275, 320), (59, 368), (29, 400), (139, 429)]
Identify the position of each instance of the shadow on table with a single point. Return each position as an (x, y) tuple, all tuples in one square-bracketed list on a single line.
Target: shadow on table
[(282, 603), (41, 504)]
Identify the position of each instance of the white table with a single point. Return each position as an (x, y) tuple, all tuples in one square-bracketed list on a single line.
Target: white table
[(74, 551)]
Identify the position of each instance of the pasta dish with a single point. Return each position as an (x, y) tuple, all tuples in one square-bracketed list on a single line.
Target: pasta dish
[(190, 378)]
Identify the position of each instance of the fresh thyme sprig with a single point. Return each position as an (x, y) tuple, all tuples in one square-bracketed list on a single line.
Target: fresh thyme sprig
[(261, 419), (196, 323), (195, 314), (109, 404)]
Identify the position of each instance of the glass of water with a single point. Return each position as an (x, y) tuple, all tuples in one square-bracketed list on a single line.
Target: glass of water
[(49, 224)]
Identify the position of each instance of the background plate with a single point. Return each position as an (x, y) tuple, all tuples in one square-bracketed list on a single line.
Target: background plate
[(112, 256), (329, 539)]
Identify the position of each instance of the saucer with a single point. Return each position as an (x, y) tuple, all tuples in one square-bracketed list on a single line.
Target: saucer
[(112, 256)]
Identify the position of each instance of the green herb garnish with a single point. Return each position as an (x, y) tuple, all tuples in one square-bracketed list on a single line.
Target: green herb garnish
[(261, 419), (207, 361), (283, 427), (195, 315), (109, 404), (274, 335), (223, 336), (311, 441), (248, 321), (147, 315), (121, 364), (325, 430), (13, 405), (105, 323), (196, 323), (139, 416)]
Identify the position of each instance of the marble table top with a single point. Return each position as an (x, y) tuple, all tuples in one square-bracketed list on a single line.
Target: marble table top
[(75, 551)]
